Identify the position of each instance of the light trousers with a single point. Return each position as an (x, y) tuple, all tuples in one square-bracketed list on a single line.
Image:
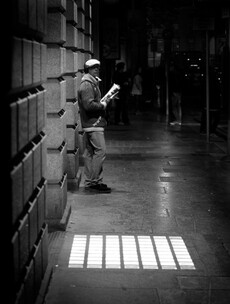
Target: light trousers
[(94, 156)]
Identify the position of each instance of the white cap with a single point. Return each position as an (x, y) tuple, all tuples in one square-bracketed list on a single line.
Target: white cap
[(91, 62)]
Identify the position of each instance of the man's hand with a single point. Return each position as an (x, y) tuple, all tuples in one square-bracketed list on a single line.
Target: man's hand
[(106, 100), (104, 103)]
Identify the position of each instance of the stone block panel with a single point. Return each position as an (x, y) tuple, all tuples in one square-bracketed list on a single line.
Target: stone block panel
[(81, 40), (72, 163), (37, 261), (16, 259), (36, 160), (56, 94), (41, 16), (32, 222), (30, 272), (14, 128), (88, 9), (28, 118), (56, 61), (31, 14), (32, 115), (16, 67), (27, 62), (72, 110), (57, 4), (36, 212), (17, 192), (23, 232), (56, 129), (80, 20), (80, 4), (27, 174), (87, 43), (21, 13), (71, 11), (72, 137), (82, 58), (56, 199), (43, 155), (88, 26), (43, 62), (41, 111), (22, 119), (29, 283), (71, 61), (56, 24), (27, 170), (71, 36), (41, 199), (56, 162), (79, 77), (44, 244), (36, 62), (71, 86)]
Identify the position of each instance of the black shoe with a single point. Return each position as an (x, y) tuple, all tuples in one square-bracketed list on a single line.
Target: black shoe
[(99, 188), (104, 186)]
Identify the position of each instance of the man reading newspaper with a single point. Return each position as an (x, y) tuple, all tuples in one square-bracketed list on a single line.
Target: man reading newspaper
[(92, 112)]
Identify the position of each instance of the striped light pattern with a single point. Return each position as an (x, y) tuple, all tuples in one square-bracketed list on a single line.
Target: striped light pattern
[(77, 254), (164, 253), (181, 252), (112, 252), (130, 252), (95, 251), (147, 253)]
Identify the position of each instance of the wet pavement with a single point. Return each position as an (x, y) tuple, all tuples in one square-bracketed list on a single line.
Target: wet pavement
[(162, 235)]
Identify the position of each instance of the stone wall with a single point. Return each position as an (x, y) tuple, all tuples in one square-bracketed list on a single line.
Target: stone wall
[(50, 41)]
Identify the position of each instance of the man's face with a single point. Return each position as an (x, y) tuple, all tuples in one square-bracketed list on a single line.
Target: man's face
[(94, 71)]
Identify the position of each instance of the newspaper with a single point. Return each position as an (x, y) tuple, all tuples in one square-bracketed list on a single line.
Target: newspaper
[(113, 91)]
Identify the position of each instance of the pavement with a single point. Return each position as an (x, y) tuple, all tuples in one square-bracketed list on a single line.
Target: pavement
[(161, 236)]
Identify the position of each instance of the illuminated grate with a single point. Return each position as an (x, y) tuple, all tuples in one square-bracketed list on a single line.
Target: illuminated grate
[(112, 252), (95, 251), (181, 252), (77, 254), (164, 252), (147, 253), (130, 252)]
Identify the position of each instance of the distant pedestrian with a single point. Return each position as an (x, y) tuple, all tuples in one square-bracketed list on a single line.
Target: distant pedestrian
[(137, 91), (92, 113), (175, 95), (121, 102)]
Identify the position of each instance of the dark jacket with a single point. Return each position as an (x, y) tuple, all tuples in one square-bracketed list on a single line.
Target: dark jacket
[(92, 112)]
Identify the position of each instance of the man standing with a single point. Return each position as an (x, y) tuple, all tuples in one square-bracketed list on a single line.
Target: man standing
[(92, 113)]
